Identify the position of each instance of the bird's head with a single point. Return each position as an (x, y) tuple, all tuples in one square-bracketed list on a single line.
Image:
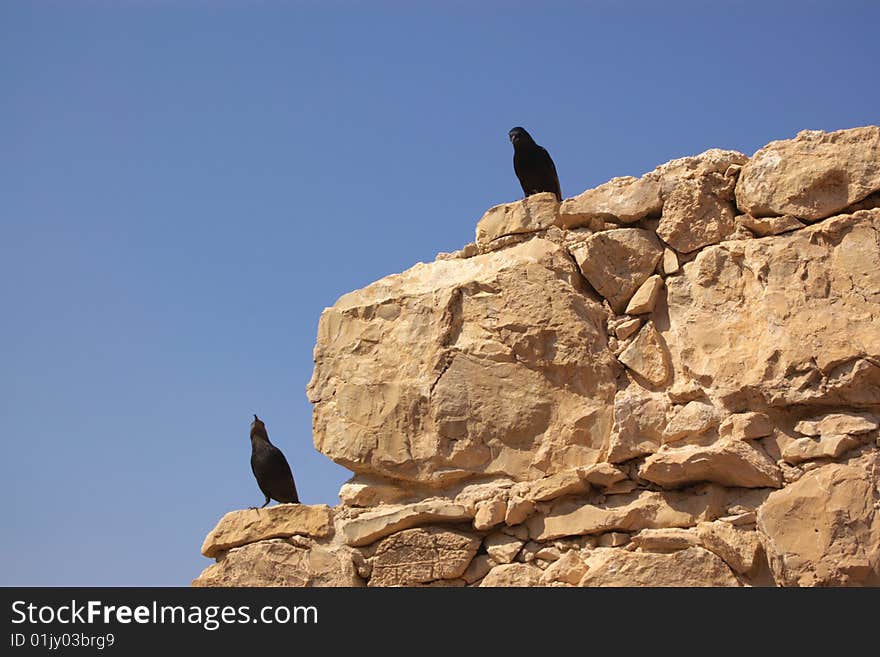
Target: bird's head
[(257, 424), (518, 134)]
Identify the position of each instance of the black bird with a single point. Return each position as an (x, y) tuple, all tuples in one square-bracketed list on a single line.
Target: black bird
[(533, 165), (270, 467)]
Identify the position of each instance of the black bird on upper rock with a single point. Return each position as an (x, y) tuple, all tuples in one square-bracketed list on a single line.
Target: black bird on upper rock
[(533, 165), (270, 467)]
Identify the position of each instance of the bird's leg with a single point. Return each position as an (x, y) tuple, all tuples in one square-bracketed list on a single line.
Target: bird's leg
[(266, 502)]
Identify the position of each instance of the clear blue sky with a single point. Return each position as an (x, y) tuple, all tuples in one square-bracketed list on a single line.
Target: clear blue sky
[(185, 185)]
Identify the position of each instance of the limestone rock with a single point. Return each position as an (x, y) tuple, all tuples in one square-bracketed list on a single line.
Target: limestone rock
[(738, 548), (812, 176), (691, 567), (630, 512), (502, 548), (625, 199), (490, 513), (518, 509), (712, 161), (238, 528), (824, 529), (425, 554), (278, 563), (837, 423), (616, 262), (365, 492), (531, 214), (562, 483), (764, 226), (493, 365), (639, 423), (669, 263), (746, 426), (371, 526), (665, 540), (783, 320), (698, 212), (569, 569), (602, 475), (625, 329), (693, 418), (645, 298), (513, 574), (479, 566), (647, 356), (826, 446), (727, 462)]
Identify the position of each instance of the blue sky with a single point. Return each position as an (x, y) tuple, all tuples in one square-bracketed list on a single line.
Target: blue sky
[(185, 185)]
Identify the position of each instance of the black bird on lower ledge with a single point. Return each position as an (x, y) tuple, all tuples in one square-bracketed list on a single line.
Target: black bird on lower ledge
[(270, 467), (533, 165)]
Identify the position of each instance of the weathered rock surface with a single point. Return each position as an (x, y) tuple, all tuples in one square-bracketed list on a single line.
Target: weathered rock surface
[(278, 563), (764, 226), (746, 426), (645, 298), (629, 512), (238, 528), (693, 418), (624, 200), (824, 529), (465, 367), (835, 424), (371, 526), (684, 568), (647, 356), (783, 320), (812, 176), (825, 446), (616, 262), (640, 419), (513, 575), (739, 548), (531, 214), (416, 556), (698, 212), (726, 462)]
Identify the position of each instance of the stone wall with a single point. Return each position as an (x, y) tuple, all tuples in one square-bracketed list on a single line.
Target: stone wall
[(665, 381)]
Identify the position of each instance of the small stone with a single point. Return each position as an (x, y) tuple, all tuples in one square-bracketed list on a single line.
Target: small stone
[(602, 474), (645, 298), (808, 449), (837, 423), (624, 199), (501, 547), (746, 426), (738, 548), (665, 539), (562, 483), (647, 356), (669, 263), (513, 574), (692, 419), (569, 568), (531, 214), (518, 510), (479, 566), (625, 329), (490, 513), (238, 528), (548, 553), (764, 226)]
